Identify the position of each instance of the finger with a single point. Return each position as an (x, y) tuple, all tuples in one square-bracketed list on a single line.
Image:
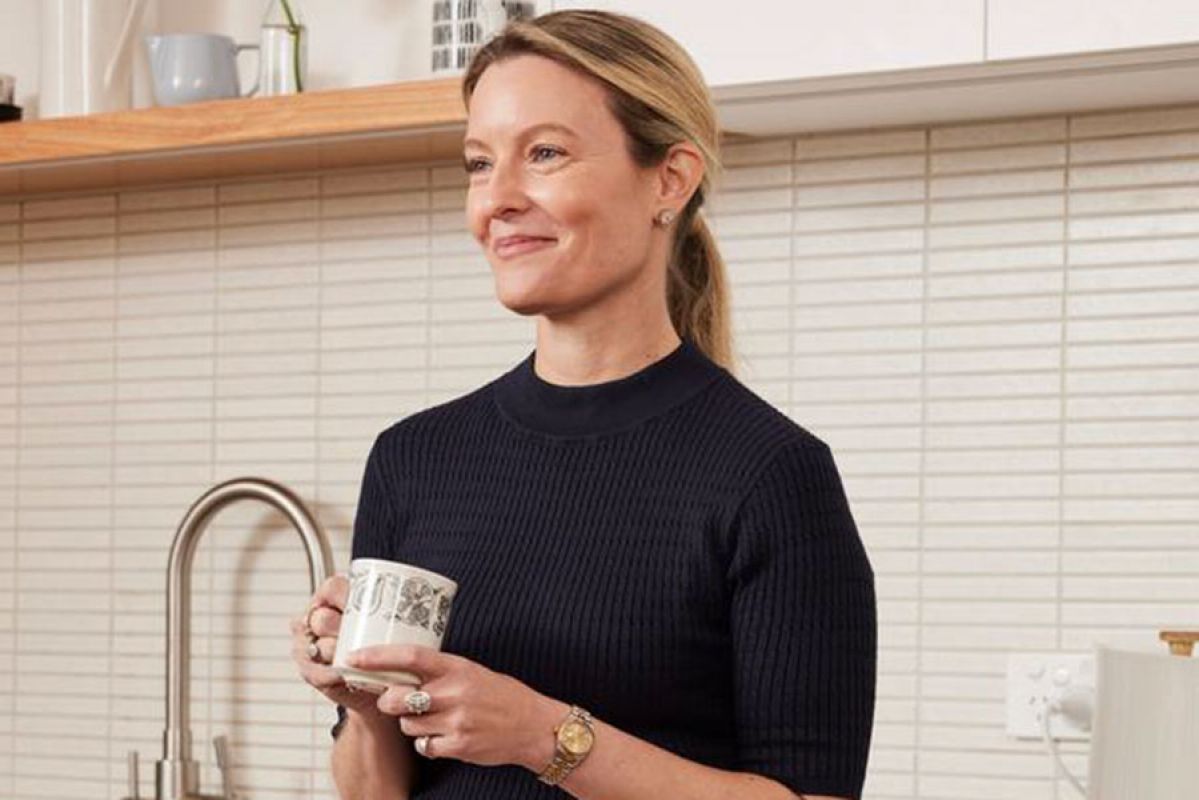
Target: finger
[(321, 677), (326, 649), (442, 746), (326, 621), (333, 592), (394, 701), (423, 661), (296, 624), (327, 645), (424, 725)]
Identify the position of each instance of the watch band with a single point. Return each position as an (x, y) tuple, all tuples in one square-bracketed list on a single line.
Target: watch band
[(564, 761)]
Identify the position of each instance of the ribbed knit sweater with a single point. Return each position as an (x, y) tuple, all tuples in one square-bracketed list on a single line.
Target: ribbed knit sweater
[(666, 550)]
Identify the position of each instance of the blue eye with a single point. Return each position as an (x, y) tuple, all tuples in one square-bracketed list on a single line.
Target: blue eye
[(543, 148), (475, 164)]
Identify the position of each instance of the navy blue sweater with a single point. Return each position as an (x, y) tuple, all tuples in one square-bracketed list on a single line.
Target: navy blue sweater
[(666, 550)]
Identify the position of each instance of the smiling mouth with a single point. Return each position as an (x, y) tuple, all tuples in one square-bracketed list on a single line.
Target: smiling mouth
[(521, 245)]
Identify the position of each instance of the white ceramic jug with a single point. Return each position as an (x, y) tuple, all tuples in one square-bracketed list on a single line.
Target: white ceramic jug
[(86, 55), (189, 67)]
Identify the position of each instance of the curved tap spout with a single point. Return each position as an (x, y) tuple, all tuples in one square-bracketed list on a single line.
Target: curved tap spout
[(177, 775)]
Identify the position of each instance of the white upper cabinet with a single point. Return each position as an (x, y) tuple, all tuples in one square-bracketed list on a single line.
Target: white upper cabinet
[(764, 40), (1024, 28)]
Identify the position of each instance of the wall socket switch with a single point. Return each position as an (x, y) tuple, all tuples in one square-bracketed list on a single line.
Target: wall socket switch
[(1033, 679)]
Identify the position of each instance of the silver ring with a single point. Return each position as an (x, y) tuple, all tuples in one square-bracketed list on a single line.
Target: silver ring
[(314, 650), (418, 702), (422, 745)]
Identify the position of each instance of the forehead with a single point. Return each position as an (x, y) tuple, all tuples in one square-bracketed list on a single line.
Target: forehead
[(526, 90)]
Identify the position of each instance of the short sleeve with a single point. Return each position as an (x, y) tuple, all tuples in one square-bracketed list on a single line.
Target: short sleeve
[(803, 627), (374, 522)]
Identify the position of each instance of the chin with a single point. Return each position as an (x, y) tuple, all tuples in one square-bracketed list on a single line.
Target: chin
[(524, 309), (525, 301)]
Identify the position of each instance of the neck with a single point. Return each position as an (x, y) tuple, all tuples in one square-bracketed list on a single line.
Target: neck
[(581, 361), (605, 406), (608, 339)]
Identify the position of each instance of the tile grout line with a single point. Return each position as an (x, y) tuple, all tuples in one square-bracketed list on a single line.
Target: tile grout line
[(112, 478), (428, 292), (212, 437), (922, 470), (16, 672), (793, 193), (1063, 411), (313, 721)]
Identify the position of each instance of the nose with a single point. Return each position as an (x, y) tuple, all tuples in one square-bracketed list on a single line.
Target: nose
[(504, 191)]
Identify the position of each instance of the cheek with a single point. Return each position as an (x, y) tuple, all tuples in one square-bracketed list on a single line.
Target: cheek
[(566, 203), (476, 221), (596, 220)]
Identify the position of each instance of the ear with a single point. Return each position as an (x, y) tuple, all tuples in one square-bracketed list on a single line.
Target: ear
[(678, 176)]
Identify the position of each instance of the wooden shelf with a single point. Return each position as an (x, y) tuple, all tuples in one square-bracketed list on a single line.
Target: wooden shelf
[(397, 122), (424, 120)]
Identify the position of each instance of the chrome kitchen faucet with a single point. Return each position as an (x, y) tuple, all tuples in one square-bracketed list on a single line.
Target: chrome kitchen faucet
[(176, 774)]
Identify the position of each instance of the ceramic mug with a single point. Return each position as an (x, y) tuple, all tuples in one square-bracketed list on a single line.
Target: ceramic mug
[(190, 67), (391, 603)]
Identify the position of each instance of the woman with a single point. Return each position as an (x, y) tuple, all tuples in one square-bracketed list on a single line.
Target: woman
[(635, 534)]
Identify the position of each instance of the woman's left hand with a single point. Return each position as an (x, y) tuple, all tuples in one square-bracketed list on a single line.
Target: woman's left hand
[(476, 715)]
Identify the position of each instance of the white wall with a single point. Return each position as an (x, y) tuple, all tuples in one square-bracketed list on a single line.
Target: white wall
[(766, 40), (20, 47), (995, 326), (356, 43), (352, 43), (364, 42), (1021, 28)]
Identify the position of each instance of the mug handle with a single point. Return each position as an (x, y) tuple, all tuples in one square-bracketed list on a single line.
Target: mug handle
[(236, 52)]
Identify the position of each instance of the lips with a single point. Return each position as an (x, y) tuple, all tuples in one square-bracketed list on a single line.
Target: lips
[(507, 246)]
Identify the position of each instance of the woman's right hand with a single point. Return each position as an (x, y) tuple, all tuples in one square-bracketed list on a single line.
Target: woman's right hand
[(329, 601)]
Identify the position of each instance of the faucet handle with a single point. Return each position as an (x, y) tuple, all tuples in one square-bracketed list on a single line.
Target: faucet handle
[(221, 745), (131, 763)]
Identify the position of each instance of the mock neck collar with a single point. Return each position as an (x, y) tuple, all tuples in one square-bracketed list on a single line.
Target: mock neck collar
[(597, 408)]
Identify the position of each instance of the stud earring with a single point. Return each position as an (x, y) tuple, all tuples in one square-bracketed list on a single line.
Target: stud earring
[(664, 217)]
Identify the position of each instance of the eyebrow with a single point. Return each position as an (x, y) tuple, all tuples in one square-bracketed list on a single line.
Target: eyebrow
[(553, 126)]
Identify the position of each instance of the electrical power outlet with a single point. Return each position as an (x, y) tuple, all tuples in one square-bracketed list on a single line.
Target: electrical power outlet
[(1033, 679)]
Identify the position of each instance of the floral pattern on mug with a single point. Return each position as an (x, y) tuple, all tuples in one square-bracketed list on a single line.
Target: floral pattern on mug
[(415, 604), (366, 596), (443, 613), (414, 600)]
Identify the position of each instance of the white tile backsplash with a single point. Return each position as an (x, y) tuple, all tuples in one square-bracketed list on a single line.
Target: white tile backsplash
[(994, 325)]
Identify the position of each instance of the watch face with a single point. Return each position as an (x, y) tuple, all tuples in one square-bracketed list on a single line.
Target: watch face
[(576, 738)]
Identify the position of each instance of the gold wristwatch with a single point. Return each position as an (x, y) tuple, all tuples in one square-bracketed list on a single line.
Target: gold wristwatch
[(574, 737)]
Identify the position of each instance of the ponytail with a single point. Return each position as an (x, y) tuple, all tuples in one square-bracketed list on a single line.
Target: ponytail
[(696, 290)]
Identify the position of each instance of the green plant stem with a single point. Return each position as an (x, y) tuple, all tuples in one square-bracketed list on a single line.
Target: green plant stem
[(294, 30)]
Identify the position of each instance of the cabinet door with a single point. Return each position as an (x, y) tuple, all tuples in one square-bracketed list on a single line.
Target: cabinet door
[(764, 40), (1022, 28)]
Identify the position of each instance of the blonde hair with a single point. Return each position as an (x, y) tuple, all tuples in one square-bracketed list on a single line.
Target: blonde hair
[(659, 96)]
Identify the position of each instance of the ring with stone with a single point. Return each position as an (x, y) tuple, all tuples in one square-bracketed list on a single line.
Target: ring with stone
[(418, 702)]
